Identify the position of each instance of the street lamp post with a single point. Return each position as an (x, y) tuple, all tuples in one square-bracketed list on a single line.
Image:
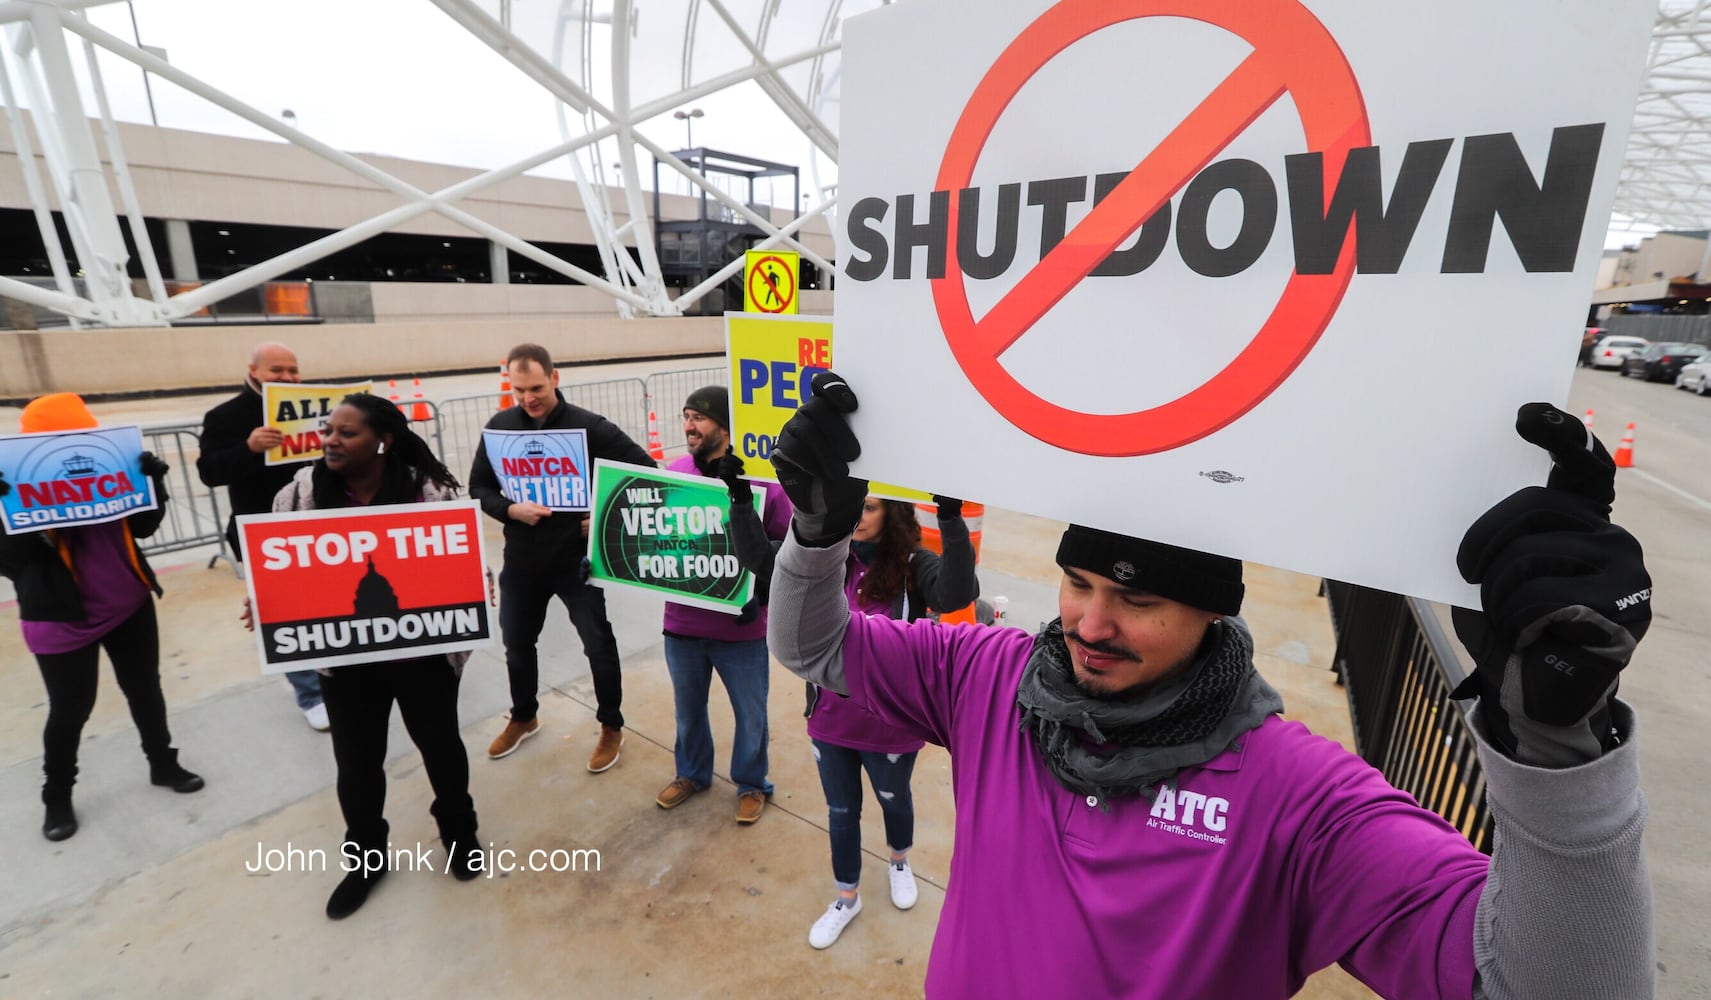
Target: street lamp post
[(688, 120)]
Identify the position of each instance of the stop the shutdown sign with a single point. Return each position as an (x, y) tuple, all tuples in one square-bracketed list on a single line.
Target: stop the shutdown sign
[(1267, 278)]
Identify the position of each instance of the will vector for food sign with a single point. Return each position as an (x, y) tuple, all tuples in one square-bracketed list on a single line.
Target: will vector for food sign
[(667, 533), (347, 586)]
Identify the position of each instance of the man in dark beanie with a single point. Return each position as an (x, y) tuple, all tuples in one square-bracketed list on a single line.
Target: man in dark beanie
[(1134, 818), (700, 642)]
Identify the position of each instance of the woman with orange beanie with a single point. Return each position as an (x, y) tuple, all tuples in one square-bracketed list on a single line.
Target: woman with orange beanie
[(82, 589)]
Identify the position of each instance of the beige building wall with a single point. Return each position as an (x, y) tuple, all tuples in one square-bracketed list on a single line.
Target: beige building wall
[(1663, 257), (130, 361)]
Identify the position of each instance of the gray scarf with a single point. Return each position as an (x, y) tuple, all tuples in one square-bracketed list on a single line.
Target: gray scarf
[(1184, 723)]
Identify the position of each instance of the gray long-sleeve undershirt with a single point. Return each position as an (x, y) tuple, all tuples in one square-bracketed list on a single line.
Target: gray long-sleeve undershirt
[(1566, 910)]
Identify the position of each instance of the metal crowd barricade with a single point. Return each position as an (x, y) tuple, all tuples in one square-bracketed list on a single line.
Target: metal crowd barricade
[(193, 517), (1399, 668), (456, 427), (623, 401), (666, 392), (453, 426)]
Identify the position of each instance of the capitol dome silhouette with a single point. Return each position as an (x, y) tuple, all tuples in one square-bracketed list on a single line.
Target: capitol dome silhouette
[(375, 597)]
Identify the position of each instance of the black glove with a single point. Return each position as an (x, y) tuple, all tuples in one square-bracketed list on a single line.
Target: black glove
[(812, 459), (750, 611), (729, 468), (948, 506), (1566, 598), (584, 571), (153, 465), (5, 487)]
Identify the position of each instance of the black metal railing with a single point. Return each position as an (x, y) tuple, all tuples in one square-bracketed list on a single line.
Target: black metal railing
[(1398, 667)]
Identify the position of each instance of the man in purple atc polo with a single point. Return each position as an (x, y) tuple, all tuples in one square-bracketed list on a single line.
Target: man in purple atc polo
[(1134, 819)]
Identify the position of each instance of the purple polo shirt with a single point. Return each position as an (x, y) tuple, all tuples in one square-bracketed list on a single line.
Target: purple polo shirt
[(1247, 874), (700, 623), (838, 720), (111, 590)]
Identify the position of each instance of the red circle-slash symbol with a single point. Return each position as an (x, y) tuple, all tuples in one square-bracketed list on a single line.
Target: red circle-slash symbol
[(781, 296), (1292, 53)]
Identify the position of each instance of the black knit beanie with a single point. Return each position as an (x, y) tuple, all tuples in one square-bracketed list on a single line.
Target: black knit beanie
[(1197, 579), (713, 400)]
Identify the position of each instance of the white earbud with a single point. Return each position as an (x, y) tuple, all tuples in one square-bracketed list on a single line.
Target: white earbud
[(382, 449)]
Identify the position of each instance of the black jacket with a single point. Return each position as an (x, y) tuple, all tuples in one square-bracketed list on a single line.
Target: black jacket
[(47, 591), (226, 459), (556, 543)]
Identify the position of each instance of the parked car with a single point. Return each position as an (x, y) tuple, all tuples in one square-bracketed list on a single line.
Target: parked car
[(1661, 361), (1696, 376), (1612, 351)]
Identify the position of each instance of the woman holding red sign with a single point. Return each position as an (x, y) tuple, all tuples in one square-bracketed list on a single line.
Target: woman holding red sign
[(81, 590), (889, 574), (370, 456)]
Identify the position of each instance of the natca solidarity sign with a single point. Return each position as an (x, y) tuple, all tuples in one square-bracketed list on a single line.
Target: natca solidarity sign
[(1213, 271), (666, 533), (548, 467), (63, 480), (347, 586)]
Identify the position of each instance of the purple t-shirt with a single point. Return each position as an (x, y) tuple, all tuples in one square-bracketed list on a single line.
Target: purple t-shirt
[(111, 590), (838, 720), (1247, 874), (700, 623)]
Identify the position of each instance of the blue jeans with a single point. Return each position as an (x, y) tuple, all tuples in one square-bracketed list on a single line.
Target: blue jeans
[(745, 671), (840, 777), (306, 685)]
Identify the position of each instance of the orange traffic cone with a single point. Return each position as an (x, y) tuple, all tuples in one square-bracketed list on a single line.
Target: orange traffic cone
[(655, 449), (1587, 420), (505, 397), (419, 409), (974, 516), (392, 392), (1625, 450)]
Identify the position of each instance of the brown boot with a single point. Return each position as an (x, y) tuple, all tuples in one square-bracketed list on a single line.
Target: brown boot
[(676, 793), (606, 750), (512, 737), (749, 806)]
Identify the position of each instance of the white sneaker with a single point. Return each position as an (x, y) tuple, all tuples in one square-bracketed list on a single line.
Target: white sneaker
[(903, 894), (317, 718), (825, 931)]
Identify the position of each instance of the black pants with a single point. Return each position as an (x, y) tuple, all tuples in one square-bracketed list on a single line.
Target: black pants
[(359, 706), (523, 600), (71, 678)]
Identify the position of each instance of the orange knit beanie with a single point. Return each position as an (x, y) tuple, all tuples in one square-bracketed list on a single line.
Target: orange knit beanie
[(59, 411)]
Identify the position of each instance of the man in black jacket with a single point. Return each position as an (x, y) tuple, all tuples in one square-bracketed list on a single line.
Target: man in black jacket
[(544, 555), (234, 455)]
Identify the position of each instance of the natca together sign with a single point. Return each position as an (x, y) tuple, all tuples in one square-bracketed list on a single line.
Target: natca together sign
[(358, 585), (1263, 277)]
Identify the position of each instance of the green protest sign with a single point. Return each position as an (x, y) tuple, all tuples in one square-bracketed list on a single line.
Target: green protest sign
[(667, 533)]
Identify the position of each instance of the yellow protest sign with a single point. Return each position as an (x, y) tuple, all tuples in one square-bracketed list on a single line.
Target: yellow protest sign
[(773, 360), (771, 280), (298, 410)]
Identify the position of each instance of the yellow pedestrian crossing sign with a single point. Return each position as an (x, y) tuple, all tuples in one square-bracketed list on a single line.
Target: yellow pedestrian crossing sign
[(771, 279)]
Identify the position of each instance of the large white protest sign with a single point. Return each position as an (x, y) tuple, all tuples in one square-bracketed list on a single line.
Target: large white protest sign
[(1370, 234)]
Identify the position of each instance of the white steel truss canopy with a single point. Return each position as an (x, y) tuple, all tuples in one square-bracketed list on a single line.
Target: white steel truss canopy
[(612, 71), (1666, 178)]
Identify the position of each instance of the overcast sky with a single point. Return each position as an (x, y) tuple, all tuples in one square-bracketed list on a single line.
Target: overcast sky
[(401, 77)]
